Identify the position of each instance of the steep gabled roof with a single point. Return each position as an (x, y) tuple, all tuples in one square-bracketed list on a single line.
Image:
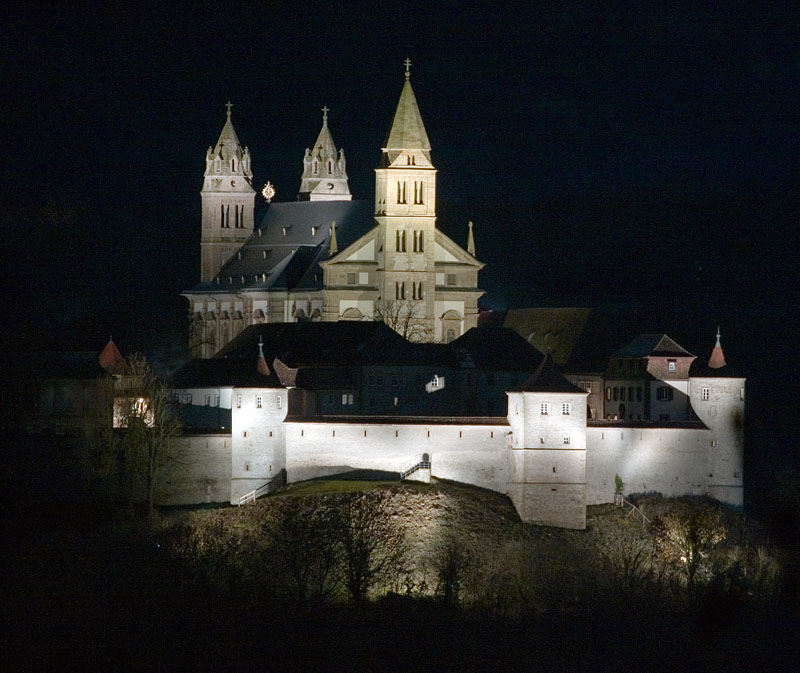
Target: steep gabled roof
[(548, 379), (497, 349), (652, 344), (323, 344)]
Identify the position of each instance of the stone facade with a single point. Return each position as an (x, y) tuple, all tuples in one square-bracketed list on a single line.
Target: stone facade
[(308, 261)]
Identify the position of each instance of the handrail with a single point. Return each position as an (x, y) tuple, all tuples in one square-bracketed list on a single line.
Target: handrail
[(620, 501), (421, 465), (256, 493)]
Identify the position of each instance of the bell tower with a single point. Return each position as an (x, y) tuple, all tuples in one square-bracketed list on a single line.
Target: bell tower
[(228, 200), (405, 209)]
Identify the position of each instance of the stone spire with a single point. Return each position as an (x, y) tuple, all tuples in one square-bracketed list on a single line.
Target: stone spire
[(262, 367), (333, 248), (717, 359), (407, 134), (324, 170), (470, 241), (228, 157)]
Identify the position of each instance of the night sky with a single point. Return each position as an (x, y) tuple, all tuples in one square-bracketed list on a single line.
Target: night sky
[(642, 158)]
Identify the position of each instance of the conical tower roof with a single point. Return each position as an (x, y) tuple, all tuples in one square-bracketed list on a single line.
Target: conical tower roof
[(407, 131), (111, 359), (324, 139), (228, 143), (717, 359)]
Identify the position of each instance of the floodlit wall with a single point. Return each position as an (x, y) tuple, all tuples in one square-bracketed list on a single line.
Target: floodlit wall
[(670, 461), (258, 453), (471, 454), (722, 411), (547, 458), (199, 470)]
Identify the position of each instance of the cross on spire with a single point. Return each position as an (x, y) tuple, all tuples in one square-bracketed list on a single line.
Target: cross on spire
[(408, 67), (325, 110), (229, 105)]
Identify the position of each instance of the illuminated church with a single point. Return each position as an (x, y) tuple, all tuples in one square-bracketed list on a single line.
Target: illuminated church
[(273, 397), (326, 257)]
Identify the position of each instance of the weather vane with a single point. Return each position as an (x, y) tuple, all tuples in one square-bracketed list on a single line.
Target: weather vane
[(268, 192)]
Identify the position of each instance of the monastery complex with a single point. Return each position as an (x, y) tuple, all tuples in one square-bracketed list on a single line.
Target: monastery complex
[(335, 336)]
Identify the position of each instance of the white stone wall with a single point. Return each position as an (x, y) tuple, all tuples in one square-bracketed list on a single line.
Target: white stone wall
[(723, 413), (671, 461), (471, 454), (547, 460), (258, 450), (200, 471)]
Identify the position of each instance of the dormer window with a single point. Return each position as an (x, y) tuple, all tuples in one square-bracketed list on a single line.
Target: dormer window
[(671, 365)]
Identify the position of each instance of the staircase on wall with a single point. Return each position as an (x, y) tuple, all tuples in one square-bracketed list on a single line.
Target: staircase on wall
[(265, 489), (421, 465)]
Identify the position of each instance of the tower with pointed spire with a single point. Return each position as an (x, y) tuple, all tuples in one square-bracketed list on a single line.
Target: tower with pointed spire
[(228, 199), (324, 170), (411, 270)]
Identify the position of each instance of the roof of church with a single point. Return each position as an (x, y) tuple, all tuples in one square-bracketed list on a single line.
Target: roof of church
[(407, 131), (290, 241), (651, 344)]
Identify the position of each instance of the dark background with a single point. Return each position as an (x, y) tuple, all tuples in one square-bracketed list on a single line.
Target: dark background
[(642, 160)]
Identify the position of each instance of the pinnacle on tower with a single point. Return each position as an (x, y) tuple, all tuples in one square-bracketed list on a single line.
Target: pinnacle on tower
[(333, 247), (471, 240), (717, 359)]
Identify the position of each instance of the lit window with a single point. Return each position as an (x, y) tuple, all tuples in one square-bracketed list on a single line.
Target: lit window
[(565, 409), (544, 408), (671, 365), (608, 393), (703, 393), (347, 399), (259, 401)]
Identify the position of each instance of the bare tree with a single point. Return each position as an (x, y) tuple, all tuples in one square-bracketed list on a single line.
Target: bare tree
[(306, 548), (450, 563), (686, 536), (372, 544), (145, 407), (407, 318)]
